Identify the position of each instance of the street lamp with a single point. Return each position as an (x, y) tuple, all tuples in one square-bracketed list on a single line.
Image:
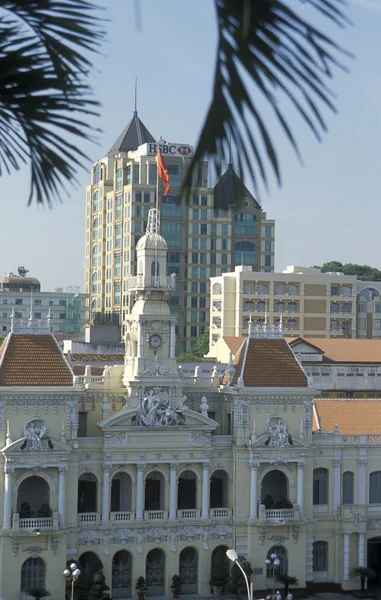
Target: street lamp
[(233, 556), (72, 575), (273, 563)]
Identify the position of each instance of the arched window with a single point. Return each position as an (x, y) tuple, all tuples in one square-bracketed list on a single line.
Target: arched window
[(95, 201), (155, 572), (279, 307), (346, 290), (280, 289), (219, 489), (89, 564), (320, 486), (348, 487), (245, 253), (291, 324), (121, 490), (154, 491), (320, 556), (248, 306), (375, 487), (281, 553), (95, 228), (369, 293), (33, 498), (248, 288), (121, 574), (346, 307), (217, 289), (262, 288), (245, 224), (97, 174), (292, 307), (186, 491), (95, 255), (292, 289), (188, 570), (87, 493), (260, 322), (95, 276), (261, 306), (155, 268), (334, 307), (32, 574)]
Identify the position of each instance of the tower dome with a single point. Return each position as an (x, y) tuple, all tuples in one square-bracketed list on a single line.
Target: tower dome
[(151, 241)]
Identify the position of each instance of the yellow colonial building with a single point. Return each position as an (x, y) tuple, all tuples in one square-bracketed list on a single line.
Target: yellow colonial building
[(142, 471)]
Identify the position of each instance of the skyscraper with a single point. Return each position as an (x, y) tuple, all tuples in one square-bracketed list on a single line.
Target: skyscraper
[(203, 239)]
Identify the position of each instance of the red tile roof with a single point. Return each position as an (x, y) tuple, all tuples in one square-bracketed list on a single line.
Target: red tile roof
[(267, 363), (357, 417), (33, 360)]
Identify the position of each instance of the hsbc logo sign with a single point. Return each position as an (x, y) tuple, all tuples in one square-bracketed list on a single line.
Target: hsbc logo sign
[(170, 149)]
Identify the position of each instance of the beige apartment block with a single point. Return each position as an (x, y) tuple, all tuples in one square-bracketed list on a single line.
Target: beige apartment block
[(203, 240)]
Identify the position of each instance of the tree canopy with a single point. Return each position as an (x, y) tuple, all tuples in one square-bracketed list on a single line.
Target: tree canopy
[(202, 345), (362, 272)]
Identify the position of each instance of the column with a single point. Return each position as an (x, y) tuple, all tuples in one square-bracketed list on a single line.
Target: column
[(62, 496), (106, 493), (300, 488), (7, 497), (205, 491), (361, 462), (361, 559), (140, 340), (173, 492), (336, 485), (140, 493), (346, 556), (253, 490), (172, 351)]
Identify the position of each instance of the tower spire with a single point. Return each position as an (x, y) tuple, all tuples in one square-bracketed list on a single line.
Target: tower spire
[(136, 96)]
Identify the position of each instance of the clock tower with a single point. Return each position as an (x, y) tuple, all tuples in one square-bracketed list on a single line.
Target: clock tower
[(150, 360)]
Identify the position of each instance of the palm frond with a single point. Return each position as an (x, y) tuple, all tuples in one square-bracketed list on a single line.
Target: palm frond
[(45, 100), (267, 44)]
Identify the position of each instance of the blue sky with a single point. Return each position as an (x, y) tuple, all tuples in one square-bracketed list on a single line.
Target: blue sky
[(327, 210)]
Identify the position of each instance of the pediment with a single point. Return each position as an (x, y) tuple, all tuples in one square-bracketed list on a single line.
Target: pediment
[(124, 420), (262, 441), (49, 446)]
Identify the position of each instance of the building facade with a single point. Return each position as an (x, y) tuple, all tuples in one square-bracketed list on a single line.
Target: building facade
[(142, 471), (23, 296), (309, 304), (203, 239)]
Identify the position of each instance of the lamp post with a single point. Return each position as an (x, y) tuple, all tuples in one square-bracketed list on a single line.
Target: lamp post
[(272, 563), (233, 556), (72, 575)]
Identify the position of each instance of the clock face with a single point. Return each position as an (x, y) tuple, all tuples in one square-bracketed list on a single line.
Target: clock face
[(155, 341)]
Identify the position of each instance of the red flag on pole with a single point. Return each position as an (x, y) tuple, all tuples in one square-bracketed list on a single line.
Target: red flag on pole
[(163, 172)]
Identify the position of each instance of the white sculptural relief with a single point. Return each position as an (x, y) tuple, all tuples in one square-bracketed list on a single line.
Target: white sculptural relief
[(277, 428), (154, 412)]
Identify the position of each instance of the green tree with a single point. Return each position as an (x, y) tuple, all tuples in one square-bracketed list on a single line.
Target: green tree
[(45, 98), (38, 593), (98, 587), (362, 272), (364, 573), (287, 581), (2, 338), (202, 345), (237, 583)]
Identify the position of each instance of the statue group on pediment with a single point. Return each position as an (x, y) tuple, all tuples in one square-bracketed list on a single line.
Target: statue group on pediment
[(154, 412), (278, 433)]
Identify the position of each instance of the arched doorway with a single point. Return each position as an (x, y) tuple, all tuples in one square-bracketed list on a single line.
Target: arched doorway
[(121, 487), (87, 493), (155, 572), (186, 496), (188, 570), (219, 489), (374, 560), (33, 498), (121, 574), (282, 569), (33, 574), (220, 561), (89, 564), (274, 491), (154, 491)]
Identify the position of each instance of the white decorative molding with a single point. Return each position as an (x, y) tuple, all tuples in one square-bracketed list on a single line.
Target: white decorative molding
[(278, 433), (262, 535), (123, 536), (373, 524), (200, 438), (35, 436), (156, 534), (89, 538), (222, 532), (72, 415), (15, 544), (152, 412), (190, 533), (157, 368)]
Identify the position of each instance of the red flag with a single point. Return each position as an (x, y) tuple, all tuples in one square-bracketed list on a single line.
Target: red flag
[(163, 172)]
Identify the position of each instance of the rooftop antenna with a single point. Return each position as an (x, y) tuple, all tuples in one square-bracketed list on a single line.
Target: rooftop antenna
[(136, 96), (230, 163)]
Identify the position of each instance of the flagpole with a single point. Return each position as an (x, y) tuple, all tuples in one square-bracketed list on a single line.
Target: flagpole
[(157, 228)]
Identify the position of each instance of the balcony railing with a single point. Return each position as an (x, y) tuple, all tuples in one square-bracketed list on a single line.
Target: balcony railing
[(45, 523), (88, 518), (279, 514), (122, 516), (189, 513), (220, 513), (155, 515), (155, 283)]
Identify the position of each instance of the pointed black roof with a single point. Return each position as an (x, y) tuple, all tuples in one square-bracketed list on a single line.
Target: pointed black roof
[(133, 135), (231, 191)]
